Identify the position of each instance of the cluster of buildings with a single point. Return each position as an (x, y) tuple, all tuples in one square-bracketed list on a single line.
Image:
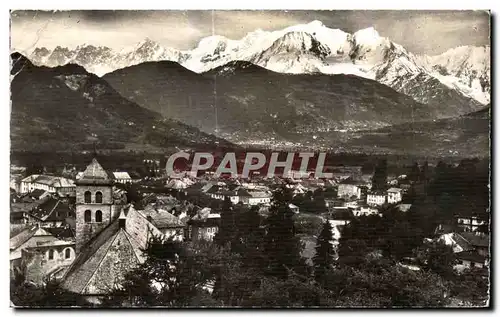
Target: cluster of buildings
[(84, 233), (90, 239)]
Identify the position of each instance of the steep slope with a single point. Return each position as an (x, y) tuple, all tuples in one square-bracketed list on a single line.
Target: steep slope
[(169, 89), (67, 107), (253, 103), (294, 52)]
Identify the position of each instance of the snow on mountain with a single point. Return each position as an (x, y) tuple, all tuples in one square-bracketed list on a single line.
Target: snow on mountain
[(466, 69), (306, 48), (101, 59), (294, 52)]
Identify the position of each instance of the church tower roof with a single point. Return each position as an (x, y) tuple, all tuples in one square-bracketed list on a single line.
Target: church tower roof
[(95, 174)]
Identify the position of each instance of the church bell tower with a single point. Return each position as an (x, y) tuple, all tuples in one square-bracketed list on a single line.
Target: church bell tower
[(95, 207)]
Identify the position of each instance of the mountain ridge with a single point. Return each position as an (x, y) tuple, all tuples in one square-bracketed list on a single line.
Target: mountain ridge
[(364, 53), (67, 106)]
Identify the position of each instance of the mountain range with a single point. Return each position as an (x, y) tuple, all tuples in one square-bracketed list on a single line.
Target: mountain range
[(304, 86), (68, 108), (245, 103), (460, 76)]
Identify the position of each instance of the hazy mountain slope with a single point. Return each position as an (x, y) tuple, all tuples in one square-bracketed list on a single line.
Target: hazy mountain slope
[(253, 102), (67, 107), (466, 135)]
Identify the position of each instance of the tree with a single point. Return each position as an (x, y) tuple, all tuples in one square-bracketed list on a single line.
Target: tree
[(381, 283), (471, 286), (415, 173), (379, 180), (281, 247), (324, 256), (171, 276), (425, 173), (49, 295), (34, 168), (227, 229), (437, 257)]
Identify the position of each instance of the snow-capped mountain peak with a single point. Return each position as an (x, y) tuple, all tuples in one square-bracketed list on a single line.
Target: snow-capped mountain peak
[(368, 36), (304, 48)]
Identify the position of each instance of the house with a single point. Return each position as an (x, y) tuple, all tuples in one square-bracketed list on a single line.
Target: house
[(215, 192), (38, 194), (477, 241), (394, 195), (297, 189), (257, 198), (365, 211), (52, 212), (350, 188), (47, 260), (204, 225), (29, 237), (376, 199), (19, 211), (122, 177), (470, 248), (237, 195), (470, 221), (469, 260), (293, 208), (166, 222), (52, 184)]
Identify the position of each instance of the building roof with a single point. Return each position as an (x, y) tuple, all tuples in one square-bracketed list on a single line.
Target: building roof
[(95, 174), (161, 218), (51, 210), (394, 190), (37, 193), (375, 193), (404, 207), (204, 218), (213, 189), (341, 214), (134, 233), (23, 236), (351, 181), (63, 233), (259, 194), (176, 184), (238, 192), (121, 176), (52, 243), (25, 206), (476, 240), (26, 238), (471, 255), (49, 180)]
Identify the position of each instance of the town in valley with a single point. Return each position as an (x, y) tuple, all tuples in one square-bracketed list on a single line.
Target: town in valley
[(251, 159)]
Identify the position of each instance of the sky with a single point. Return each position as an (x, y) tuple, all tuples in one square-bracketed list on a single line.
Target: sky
[(421, 32)]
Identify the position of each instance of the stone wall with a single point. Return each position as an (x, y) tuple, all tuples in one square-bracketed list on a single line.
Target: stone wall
[(87, 230), (37, 264), (107, 193)]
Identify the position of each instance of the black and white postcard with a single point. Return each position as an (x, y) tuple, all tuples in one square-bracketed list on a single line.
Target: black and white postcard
[(250, 159)]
